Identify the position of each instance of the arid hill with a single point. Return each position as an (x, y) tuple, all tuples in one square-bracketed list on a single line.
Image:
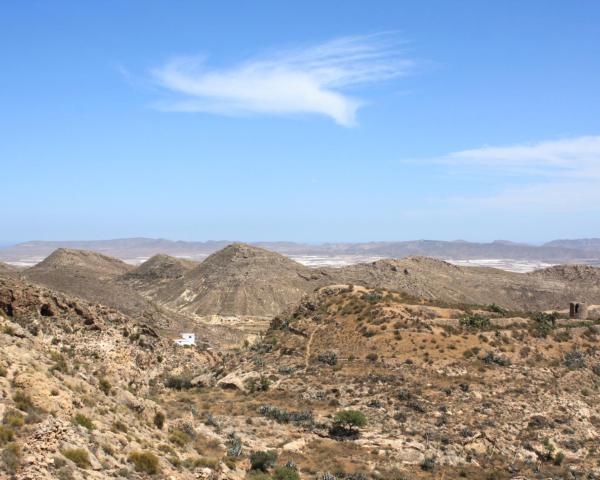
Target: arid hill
[(246, 281), (7, 269), (156, 272), (94, 278), (75, 381), (445, 392), (433, 279), (242, 280)]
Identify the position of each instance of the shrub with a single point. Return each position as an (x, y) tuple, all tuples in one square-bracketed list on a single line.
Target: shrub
[(145, 462), (558, 458), (281, 416), (261, 384), (490, 357), (23, 401), (575, 359), (286, 473), (60, 364), (178, 382), (234, 446), (11, 456), (104, 386), (372, 357), (13, 418), (159, 420), (330, 358), (428, 464), (180, 438), (3, 371), (78, 456), (543, 323), (81, 419), (263, 460), (7, 434), (475, 321), (497, 309)]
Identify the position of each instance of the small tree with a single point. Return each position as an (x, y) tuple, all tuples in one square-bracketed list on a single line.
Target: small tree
[(347, 422)]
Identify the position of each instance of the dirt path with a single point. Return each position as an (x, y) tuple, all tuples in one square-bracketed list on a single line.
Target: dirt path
[(309, 346)]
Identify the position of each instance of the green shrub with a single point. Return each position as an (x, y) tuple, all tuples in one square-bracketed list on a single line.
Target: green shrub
[(81, 419), (178, 382), (11, 457), (497, 309), (3, 371), (159, 420), (543, 323), (263, 460), (145, 462), (475, 321), (78, 456), (286, 473)]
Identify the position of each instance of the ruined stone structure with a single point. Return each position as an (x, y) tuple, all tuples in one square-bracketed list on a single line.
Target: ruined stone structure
[(578, 310)]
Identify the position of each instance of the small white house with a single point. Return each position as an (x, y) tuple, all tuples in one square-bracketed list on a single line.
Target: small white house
[(186, 339)]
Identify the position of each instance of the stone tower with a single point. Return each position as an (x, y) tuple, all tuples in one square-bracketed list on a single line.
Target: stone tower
[(578, 310)]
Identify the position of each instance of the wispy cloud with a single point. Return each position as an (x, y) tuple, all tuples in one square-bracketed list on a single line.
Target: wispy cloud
[(578, 157), (309, 80), (557, 175)]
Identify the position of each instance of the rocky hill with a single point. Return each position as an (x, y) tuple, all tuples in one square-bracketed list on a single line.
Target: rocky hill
[(156, 272), (94, 278), (76, 381), (7, 269), (434, 279), (242, 280), (428, 392)]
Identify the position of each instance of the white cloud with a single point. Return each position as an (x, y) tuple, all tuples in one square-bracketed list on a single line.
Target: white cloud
[(578, 157), (555, 176), (303, 80)]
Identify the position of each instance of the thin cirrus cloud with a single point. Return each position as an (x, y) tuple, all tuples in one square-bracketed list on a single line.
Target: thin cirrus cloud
[(310, 80), (555, 175)]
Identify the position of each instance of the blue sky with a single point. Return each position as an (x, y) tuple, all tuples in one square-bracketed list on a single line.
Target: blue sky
[(306, 121)]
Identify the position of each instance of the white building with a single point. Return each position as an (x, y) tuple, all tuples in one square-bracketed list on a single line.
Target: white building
[(186, 339)]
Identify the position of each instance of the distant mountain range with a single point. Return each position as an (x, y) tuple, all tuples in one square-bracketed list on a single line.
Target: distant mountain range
[(137, 250)]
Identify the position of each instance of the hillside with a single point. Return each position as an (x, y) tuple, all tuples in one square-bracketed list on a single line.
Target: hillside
[(95, 278), (156, 272), (75, 382), (434, 279), (242, 280), (7, 269), (435, 391)]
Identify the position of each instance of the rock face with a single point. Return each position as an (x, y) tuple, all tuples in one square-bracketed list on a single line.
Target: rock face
[(62, 359), (242, 280)]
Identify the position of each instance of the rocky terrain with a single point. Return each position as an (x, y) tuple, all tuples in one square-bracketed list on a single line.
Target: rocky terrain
[(394, 369)]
